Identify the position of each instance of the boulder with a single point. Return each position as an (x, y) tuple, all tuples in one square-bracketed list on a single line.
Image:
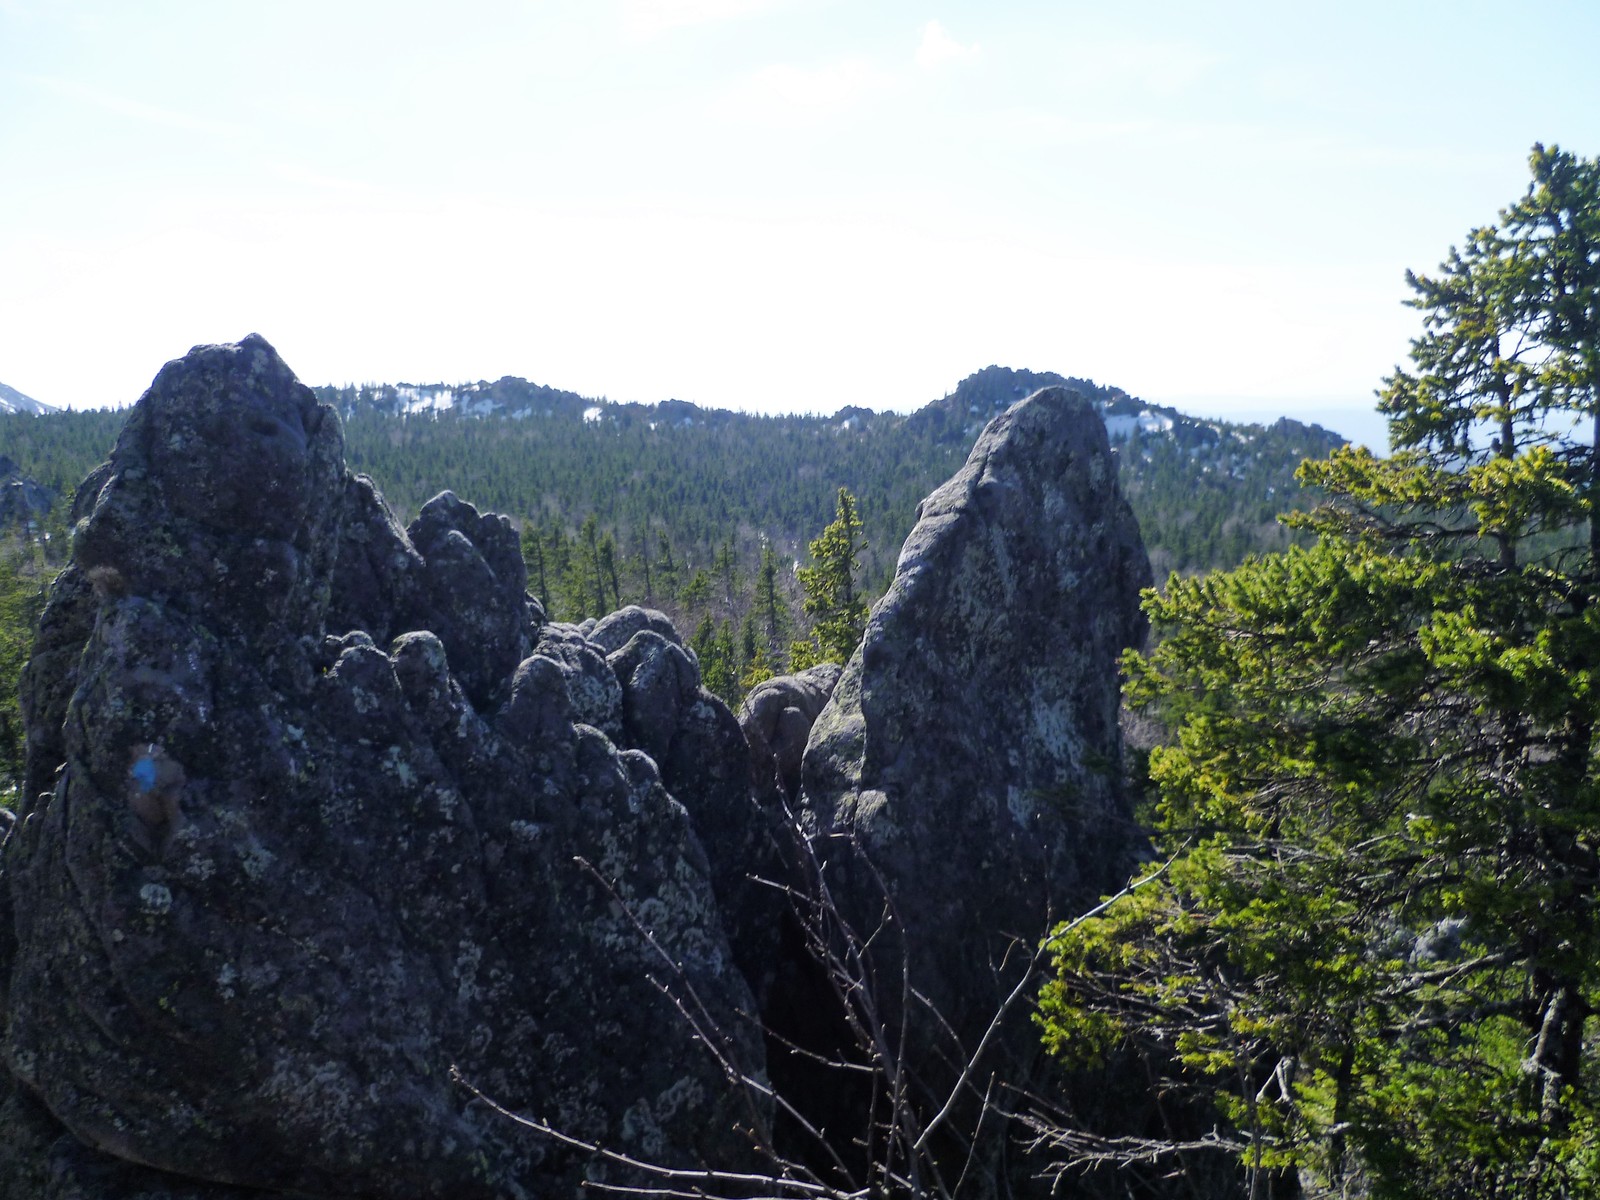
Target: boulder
[(22, 500), (776, 718), (320, 815), (474, 594)]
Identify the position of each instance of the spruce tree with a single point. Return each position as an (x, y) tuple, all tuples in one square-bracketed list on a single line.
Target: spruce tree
[(832, 601), (1371, 933)]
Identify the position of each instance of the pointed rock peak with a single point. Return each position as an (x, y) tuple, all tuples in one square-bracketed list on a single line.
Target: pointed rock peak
[(973, 737)]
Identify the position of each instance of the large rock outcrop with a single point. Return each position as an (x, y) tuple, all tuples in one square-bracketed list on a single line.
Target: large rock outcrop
[(967, 767), (320, 810), (322, 815)]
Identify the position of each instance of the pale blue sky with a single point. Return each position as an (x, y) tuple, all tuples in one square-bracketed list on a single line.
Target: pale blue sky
[(767, 204)]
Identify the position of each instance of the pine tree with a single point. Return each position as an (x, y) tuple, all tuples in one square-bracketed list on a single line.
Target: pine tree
[(774, 612), (644, 565), (838, 613), (24, 583), (533, 559), (592, 568), (726, 567), (607, 570), (667, 567), (1373, 936)]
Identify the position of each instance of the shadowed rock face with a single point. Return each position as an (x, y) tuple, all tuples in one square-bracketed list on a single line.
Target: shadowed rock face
[(307, 799), (318, 809), (970, 752), (776, 718), (21, 500)]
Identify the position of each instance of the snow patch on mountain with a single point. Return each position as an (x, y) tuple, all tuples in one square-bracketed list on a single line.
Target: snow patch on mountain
[(13, 401)]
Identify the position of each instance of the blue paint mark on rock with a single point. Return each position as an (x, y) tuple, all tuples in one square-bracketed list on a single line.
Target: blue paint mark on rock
[(143, 772)]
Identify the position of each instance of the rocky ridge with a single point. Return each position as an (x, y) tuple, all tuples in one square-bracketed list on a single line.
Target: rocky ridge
[(970, 751), (963, 785), (323, 816)]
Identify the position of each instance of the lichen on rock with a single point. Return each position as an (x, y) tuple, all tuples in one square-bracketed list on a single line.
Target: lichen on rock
[(321, 815), (320, 810), (965, 775)]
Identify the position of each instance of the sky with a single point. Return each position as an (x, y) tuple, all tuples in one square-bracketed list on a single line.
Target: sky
[(770, 205)]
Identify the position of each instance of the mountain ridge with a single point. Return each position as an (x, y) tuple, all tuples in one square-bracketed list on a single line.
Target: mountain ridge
[(1207, 491), (963, 411), (13, 401)]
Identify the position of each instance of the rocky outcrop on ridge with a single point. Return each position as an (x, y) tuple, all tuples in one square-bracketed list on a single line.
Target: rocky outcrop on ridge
[(322, 816), (968, 761), (22, 500), (319, 810)]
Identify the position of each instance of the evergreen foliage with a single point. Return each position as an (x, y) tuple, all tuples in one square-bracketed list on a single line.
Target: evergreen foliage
[(1373, 937), (29, 562), (837, 610)]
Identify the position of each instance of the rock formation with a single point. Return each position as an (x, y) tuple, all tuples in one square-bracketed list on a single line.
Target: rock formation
[(323, 816), (968, 762), (776, 718), (22, 500), (320, 810)]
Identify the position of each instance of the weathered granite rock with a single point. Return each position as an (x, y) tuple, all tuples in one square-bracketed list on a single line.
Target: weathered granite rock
[(701, 751), (591, 686), (475, 588), (317, 813), (377, 575), (970, 751), (776, 718)]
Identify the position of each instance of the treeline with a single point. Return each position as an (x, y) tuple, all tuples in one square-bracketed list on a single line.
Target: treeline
[(1207, 507), (57, 449), (1206, 493)]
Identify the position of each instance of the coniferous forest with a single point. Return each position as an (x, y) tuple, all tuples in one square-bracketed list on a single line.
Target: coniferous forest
[(1370, 934)]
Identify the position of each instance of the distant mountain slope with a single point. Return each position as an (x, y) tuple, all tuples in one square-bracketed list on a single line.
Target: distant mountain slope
[(957, 417), (13, 401), (512, 397), (982, 396), (1206, 492)]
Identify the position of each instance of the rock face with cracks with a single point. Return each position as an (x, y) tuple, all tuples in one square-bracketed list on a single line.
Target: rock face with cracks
[(319, 810), (967, 767)]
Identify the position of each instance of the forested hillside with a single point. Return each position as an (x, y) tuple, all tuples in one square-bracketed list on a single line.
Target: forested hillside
[(1206, 492)]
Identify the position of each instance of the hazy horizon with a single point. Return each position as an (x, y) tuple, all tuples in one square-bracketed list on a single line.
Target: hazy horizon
[(1358, 422), (766, 205)]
